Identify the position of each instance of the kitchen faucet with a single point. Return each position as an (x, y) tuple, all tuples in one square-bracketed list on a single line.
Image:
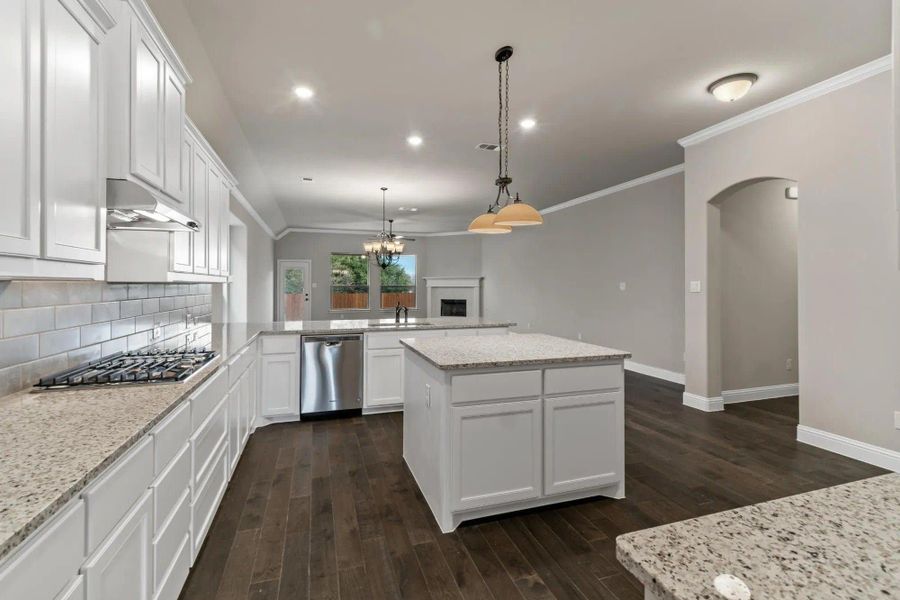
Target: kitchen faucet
[(397, 310)]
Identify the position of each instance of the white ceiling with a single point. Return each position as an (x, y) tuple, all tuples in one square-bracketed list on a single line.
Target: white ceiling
[(612, 84)]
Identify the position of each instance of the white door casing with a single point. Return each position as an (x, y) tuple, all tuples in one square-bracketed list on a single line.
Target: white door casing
[(303, 268)]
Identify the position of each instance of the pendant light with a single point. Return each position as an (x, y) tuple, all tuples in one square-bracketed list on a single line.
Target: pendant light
[(385, 247), (506, 212)]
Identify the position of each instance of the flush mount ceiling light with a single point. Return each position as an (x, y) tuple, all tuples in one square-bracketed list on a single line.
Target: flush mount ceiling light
[(505, 212), (527, 123), (414, 140), (408, 209), (733, 87), (386, 247), (303, 92)]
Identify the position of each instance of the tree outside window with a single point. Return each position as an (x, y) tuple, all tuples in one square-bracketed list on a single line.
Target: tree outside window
[(398, 283), (349, 282)]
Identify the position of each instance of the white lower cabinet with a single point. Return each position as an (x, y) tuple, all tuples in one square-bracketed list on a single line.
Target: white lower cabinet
[(384, 377), (121, 567), (580, 435), (169, 539), (73, 591), (495, 453), (280, 385), (206, 499)]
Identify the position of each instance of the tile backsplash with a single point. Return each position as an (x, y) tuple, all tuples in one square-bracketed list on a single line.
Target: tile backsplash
[(49, 326)]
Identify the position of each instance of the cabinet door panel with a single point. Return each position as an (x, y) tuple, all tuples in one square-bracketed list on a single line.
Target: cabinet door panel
[(213, 225), (495, 453), (148, 73), (173, 129), (183, 241), (384, 377), (582, 442), (280, 391), (200, 206), (20, 116), (74, 188)]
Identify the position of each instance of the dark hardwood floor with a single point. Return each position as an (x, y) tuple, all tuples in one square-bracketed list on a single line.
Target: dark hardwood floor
[(328, 509)]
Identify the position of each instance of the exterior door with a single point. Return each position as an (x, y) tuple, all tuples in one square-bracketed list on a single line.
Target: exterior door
[(293, 290)]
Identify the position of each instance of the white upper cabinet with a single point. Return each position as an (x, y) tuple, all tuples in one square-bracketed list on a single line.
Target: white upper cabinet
[(200, 207), (20, 104), (213, 220), (74, 186), (147, 134), (183, 241), (174, 180)]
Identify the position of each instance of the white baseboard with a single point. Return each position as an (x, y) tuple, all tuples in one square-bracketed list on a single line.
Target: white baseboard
[(703, 403), (760, 393), (643, 369), (867, 453)]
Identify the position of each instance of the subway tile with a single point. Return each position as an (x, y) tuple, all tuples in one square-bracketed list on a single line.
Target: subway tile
[(14, 351), (83, 355), (94, 334), (143, 323), (10, 294), (33, 371), (10, 380), (136, 341), (179, 301), (118, 291), (155, 290), (172, 289), (44, 293), (113, 346), (121, 327), (150, 305), (73, 315), (84, 292), (61, 340), (105, 311), (130, 308), (23, 321), (137, 291), (166, 304)]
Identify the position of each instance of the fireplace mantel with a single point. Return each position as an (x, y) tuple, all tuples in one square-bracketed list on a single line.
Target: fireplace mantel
[(469, 289)]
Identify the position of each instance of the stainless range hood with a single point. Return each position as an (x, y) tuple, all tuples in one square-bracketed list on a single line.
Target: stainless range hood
[(130, 205)]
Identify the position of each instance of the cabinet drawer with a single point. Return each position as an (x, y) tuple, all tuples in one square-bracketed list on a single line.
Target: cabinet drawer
[(170, 436), (73, 591), (238, 365), (168, 542), (169, 486), (205, 399), (280, 344), (495, 386), (174, 580), (48, 559), (205, 442), (206, 499), (583, 379), (109, 498)]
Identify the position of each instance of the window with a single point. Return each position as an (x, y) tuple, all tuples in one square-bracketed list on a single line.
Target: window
[(349, 282), (398, 283)]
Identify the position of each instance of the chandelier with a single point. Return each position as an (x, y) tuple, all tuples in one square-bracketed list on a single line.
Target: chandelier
[(385, 247), (506, 211)]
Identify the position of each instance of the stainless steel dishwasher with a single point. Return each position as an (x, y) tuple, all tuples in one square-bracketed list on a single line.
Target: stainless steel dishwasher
[(330, 374)]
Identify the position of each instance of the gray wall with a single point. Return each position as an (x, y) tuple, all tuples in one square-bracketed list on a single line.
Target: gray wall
[(838, 147), (260, 268), (318, 248), (563, 277), (453, 255), (758, 247), (49, 326)]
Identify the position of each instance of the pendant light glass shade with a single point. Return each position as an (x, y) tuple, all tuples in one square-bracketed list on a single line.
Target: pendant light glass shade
[(485, 224), (518, 214)]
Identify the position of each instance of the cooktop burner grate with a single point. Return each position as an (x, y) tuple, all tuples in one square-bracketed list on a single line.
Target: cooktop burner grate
[(145, 366)]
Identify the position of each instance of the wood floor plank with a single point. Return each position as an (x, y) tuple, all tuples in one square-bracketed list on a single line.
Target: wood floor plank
[(328, 509)]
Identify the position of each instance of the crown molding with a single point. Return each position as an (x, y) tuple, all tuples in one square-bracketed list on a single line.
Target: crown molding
[(614, 189), (832, 84), (249, 208), (204, 143), (99, 13), (148, 20)]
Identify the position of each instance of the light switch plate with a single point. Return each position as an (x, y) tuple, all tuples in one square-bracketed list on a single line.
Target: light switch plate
[(897, 420), (696, 287), (622, 286)]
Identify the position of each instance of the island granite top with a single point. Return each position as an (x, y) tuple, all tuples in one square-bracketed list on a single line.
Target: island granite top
[(513, 350), (53, 444), (837, 542)]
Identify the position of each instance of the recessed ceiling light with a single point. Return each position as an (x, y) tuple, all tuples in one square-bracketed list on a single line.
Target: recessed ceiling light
[(527, 123), (408, 209), (733, 87), (414, 140), (303, 92)]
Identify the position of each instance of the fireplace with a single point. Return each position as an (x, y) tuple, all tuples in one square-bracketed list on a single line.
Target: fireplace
[(453, 307)]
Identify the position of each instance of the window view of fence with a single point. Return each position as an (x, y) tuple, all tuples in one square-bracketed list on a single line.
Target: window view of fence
[(349, 282), (398, 283)]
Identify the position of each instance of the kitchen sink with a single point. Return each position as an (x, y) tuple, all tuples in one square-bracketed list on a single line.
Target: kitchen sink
[(394, 325)]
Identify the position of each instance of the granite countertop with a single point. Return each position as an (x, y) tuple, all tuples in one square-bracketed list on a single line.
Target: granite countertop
[(496, 351), (54, 443), (837, 542)]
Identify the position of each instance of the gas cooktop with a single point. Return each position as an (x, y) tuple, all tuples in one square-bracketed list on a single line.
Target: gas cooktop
[(145, 366)]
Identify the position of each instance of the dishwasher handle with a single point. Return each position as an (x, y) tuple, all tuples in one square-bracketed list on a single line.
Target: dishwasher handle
[(331, 340)]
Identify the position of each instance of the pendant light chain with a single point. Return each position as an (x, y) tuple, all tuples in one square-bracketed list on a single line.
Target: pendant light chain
[(506, 124), (500, 141)]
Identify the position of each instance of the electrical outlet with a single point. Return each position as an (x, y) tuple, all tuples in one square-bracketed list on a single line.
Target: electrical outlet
[(897, 420), (427, 396), (696, 287), (156, 333), (622, 286), (789, 364), (579, 336)]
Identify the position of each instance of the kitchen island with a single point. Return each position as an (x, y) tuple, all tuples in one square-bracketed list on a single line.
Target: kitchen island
[(837, 542), (494, 424)]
